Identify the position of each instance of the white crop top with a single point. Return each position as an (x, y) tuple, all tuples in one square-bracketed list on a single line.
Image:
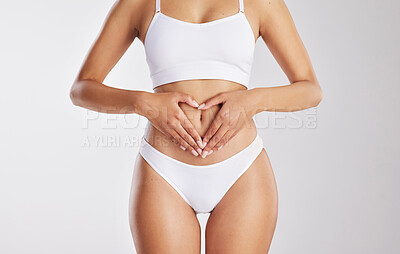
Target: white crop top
[(219, 49)]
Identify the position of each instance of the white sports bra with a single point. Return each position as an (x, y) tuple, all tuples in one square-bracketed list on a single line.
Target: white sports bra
[(219, 49)]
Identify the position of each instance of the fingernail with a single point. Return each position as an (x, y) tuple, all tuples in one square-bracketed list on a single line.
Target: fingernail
[(204, 144), (199, 150), (195, 153), (201, 106), (199, 143), (211, 151), (204, 154), (182, 147), (195, 103), (220, 147)]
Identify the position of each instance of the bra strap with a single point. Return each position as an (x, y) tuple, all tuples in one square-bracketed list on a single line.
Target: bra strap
[(158, 6), (241, 5)]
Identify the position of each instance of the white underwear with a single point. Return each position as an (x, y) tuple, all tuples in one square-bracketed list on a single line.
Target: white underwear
[(201, 186)]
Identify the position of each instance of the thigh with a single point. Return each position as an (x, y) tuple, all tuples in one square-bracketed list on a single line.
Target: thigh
[(244, 221), (161, 221)]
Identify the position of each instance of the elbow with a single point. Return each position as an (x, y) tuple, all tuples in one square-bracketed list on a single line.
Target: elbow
[(317, 95), (75, 94)]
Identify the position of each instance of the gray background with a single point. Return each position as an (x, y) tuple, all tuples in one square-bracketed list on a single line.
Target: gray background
[(337, 178)]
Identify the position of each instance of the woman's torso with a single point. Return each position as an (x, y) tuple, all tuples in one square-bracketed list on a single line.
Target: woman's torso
[(200, 90)]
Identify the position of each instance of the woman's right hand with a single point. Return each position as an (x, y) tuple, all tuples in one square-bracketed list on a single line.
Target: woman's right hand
[(164, 112)]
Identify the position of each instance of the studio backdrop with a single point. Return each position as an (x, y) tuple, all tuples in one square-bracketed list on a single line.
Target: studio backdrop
[(65, 172)]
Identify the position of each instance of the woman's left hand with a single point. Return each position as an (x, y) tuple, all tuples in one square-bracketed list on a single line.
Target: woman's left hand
[(237, 110)]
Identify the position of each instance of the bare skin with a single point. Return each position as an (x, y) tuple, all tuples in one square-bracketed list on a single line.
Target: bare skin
[(243, 222), (161, 222)]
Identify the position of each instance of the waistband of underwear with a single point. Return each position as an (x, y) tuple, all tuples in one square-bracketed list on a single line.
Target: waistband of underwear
[(254, 147)]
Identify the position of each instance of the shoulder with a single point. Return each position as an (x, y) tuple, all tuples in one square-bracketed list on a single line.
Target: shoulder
[(134, 10), (268, 5), (268, 10), (134, 7)]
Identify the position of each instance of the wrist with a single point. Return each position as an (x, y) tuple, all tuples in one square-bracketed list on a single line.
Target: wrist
[(256, 101), (141, 100)]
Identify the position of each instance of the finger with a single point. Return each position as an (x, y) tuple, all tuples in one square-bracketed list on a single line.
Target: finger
[(215, 125), (175, 137), (171, 137), (212, 101), (189, 139), (215, 139), (182, 97), (188, 126), (228, 136), (183, 143)]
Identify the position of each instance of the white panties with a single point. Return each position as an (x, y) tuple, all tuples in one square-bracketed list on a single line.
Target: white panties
[(201, 186)]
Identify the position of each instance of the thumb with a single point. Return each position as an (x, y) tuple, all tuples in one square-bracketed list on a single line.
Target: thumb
[(212, 101), (188, 100)]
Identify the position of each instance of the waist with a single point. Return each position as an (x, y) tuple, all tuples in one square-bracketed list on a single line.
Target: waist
[(200, 90)]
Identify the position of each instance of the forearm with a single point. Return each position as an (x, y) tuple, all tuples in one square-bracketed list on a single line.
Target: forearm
[(294, 97), (98, 97)]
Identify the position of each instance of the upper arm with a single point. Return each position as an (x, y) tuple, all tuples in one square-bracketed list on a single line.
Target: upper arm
[(281, 37), (118, 32)]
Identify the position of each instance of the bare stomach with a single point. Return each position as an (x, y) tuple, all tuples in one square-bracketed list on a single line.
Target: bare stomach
[(201, 90)]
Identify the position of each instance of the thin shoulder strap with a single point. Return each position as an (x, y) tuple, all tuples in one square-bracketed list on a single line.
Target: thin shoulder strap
[(158, 6), (241, 5)]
